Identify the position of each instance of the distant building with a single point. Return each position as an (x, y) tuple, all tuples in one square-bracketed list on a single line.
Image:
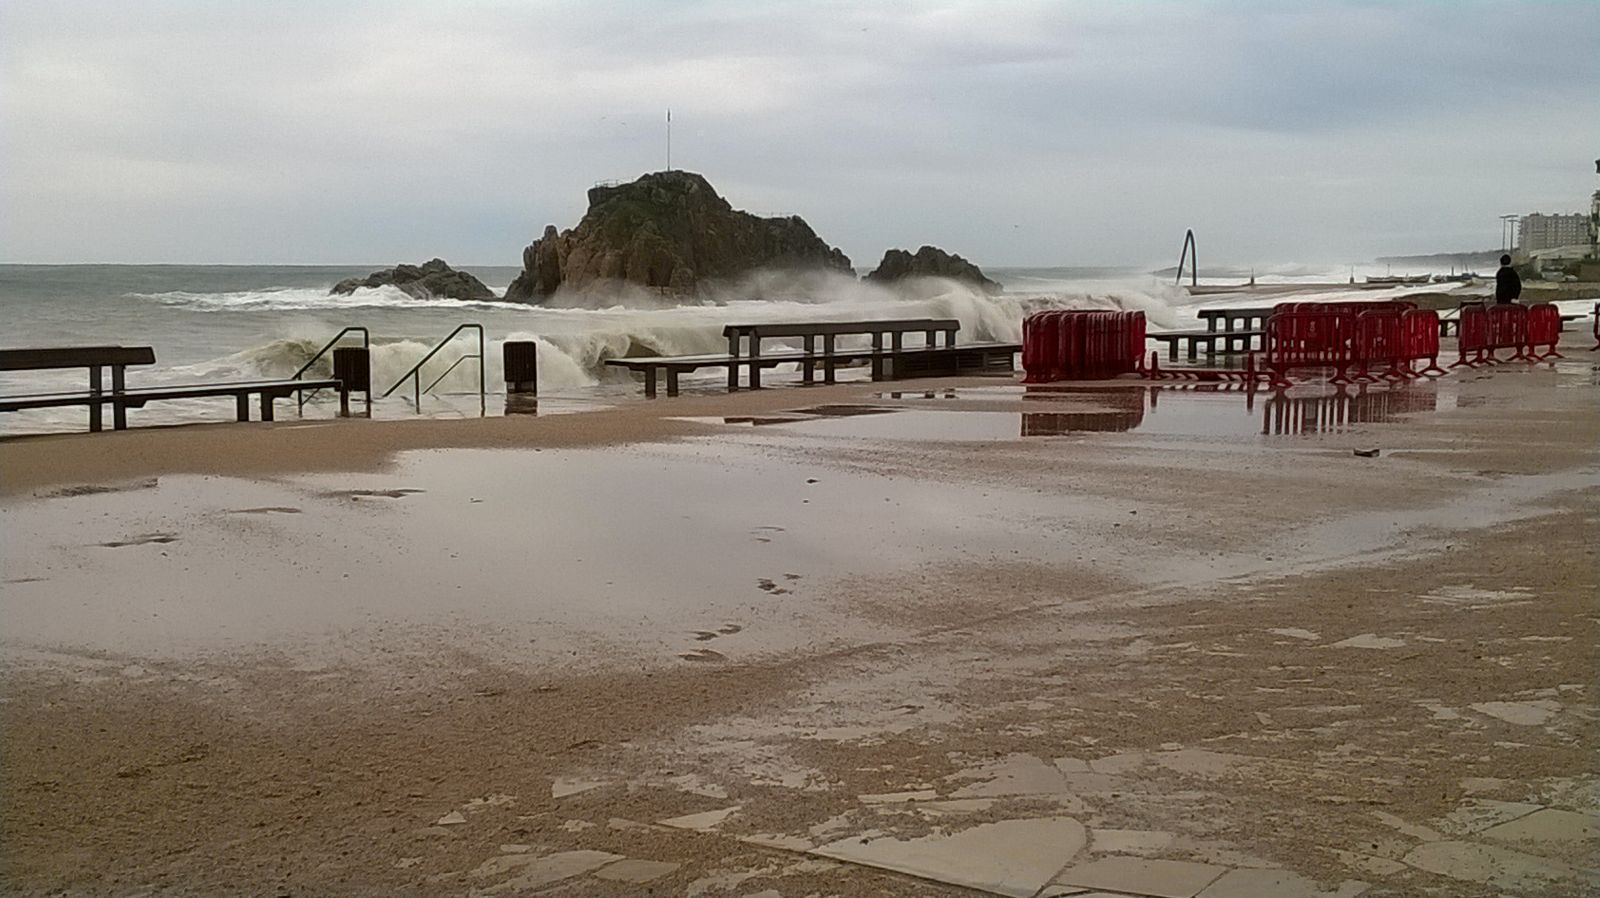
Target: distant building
[(1538, 231)]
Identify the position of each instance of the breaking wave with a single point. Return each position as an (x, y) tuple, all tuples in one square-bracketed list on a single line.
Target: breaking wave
[(578, 332), (312, 299)]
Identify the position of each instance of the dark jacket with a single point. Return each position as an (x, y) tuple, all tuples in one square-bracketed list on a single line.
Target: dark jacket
[(1507, 284)]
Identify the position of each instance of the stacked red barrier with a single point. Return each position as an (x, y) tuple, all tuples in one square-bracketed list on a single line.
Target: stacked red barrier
[(1081, 345)]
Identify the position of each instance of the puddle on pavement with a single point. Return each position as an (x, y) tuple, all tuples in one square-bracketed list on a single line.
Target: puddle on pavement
[(689, 552), (1208, 410)]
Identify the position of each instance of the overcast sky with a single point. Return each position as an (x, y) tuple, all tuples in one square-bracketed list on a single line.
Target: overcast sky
[(1015, 133)]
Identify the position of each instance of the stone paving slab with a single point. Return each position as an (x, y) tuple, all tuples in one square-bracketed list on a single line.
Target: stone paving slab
[(1501, 867), (1162, 879), (635, 870), (1547, 825), (534, 872), (1276, 884), (1010, 857)]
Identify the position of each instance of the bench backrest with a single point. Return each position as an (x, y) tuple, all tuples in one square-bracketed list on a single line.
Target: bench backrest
[(823, 328), (75, 357), (1257, 312)]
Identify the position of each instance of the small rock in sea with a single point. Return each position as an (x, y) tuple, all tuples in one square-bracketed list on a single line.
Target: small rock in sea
[(811, 480), (1366, 453)]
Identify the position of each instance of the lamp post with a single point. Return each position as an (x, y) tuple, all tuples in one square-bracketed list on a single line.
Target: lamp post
[(1508, 233)]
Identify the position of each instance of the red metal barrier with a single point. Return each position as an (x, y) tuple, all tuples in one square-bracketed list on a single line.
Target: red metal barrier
[(1419, 336), (1379, 342), (1081, 345), (1508, 329), (1544, 329), (1343, 308), (1472, 336), (1310, 339), (1596, 328)]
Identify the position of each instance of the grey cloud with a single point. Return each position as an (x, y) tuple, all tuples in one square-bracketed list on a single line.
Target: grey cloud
[(1015, 133)]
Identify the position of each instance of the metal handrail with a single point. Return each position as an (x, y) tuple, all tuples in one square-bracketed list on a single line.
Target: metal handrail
[(415, 374), (366, 343)]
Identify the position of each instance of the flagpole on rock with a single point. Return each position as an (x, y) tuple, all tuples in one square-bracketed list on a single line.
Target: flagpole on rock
[(669, 139)]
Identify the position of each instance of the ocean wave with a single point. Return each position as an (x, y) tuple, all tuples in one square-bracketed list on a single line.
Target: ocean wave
[(575, 343), (291, 299)]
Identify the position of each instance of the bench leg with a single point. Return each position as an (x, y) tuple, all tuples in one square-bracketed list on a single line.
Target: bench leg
[(755, 369), (119, 412), (807, 368), (672, 381), (94, 402), (733, 368), (266, 406), (1194, 348), (827, 358), (650, 383), (241, 405)]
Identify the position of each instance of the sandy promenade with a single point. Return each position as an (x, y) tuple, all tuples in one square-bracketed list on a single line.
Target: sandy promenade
[(955, 640)]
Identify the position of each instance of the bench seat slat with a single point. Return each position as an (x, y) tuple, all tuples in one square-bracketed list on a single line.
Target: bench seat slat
[(51, 358)]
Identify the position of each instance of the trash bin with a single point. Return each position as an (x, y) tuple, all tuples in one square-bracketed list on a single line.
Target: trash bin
[(521, 364), (352, 367)]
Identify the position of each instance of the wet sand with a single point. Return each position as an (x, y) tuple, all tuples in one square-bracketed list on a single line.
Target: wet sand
[(919, 641)]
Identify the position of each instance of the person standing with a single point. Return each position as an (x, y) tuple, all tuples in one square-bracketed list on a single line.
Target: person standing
[(1507, 283)]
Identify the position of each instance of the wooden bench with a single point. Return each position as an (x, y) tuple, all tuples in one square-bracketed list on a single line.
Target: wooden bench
[(914, 362), (888, 362), (1252, 318), (1232, 341), (120, 398), (741, 335), (94, 358)]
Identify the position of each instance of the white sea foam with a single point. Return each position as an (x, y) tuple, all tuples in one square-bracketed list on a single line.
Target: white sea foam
[(284, 299)]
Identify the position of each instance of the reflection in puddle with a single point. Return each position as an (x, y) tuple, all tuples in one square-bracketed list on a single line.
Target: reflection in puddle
[(1285, 414), (1054, 424), (1214, 410)]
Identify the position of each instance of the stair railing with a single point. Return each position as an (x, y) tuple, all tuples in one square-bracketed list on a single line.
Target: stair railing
[(415, 374)]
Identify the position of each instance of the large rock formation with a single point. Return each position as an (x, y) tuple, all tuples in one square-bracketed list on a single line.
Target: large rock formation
[(430, 279), (929, 261), (668, 230)]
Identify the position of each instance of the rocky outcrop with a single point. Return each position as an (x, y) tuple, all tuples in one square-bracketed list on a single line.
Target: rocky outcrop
[(929, 261), (426, 281), (669, 231)]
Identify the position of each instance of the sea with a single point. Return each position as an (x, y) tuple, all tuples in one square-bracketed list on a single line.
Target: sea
[(212, 323)]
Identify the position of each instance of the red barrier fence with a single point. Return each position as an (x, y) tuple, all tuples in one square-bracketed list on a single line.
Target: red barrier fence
[(1081, 345), (1544, 329), (1310, 339), (1419, 334), (1378, 342), (1596, 327), (1508, 329), (1360, 341), (1472, 336)]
